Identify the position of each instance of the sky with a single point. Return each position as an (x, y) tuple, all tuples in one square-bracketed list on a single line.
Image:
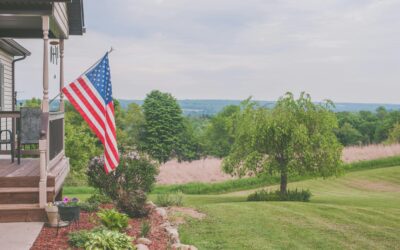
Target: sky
[(342, 50)]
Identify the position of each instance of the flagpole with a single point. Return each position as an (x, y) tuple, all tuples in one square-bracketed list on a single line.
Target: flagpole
[(108, 52)]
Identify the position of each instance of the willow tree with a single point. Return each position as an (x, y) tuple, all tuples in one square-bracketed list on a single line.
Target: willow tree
[(296, 137)]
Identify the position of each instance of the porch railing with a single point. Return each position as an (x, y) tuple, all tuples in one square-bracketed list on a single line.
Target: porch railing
[(8, 121), (56, 135)]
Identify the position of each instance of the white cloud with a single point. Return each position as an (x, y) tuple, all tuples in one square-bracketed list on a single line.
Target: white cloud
[(342, 50)]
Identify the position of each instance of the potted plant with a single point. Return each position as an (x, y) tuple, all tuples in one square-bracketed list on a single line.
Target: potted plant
[(69, 209), (52, 213)]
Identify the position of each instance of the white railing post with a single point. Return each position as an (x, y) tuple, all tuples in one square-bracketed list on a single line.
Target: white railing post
[(43, 173)]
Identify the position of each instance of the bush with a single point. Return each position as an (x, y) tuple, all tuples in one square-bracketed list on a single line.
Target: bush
[(128, 184), (265, 195), (99, 198), (113, 220), (89, 206), (78, 238), (166, 200), (145, 228), (100, 238)]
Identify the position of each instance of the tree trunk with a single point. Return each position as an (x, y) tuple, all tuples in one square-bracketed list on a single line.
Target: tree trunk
[(283, 183)]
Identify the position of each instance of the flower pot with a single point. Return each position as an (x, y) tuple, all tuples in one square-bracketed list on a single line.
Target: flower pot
[(69, 213), (52, 215)]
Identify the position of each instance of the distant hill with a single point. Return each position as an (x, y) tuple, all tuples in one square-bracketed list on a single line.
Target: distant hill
[(211, 107)]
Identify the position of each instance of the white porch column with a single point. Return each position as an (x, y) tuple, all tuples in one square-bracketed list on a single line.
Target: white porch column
[(43, 143), (61, 74), (45, 101)]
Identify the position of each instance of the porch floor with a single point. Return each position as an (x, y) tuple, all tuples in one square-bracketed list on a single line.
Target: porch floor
[(29, 167)]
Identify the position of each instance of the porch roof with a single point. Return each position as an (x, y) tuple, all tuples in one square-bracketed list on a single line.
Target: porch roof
[(13, 48), (22, 18)]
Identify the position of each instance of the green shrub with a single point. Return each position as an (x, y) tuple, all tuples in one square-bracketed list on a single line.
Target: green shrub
[(78, 238), (166, 200), (145, 228), (113, 220), (265, 195), (128, 184), (99, 198), (89, 206), (100, 238)]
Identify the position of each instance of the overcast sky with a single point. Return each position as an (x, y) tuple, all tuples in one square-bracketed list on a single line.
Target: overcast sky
[(343, 50)]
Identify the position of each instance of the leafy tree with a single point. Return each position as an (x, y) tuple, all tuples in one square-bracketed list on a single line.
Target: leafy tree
[(189, 146), (219, 133), (348, 135), (133, 124), (163, 125), (81, 145), (295, 137), (33, 103), (394, 134)]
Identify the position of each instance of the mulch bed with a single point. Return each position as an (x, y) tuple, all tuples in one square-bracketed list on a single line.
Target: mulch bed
[(48, 240)]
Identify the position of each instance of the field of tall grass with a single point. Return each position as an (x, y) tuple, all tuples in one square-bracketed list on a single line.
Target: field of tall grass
[(369, 152)]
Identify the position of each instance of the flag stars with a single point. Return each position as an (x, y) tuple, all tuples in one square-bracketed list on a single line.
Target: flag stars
[(100, 78)]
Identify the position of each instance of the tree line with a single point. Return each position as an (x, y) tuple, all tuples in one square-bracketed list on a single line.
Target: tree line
[(160, 129)]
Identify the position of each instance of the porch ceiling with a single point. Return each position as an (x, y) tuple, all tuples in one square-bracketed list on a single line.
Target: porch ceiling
[(22, 18)]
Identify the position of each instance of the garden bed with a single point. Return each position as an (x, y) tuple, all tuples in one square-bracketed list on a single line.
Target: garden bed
[(48, 239)]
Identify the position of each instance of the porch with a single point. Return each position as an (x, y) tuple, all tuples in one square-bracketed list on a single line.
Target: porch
[(25, 188), (21, 198), (19, 188)]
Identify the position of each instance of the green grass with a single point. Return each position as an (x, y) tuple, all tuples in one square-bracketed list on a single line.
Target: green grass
[(239, 184), (256, 182), (82, 193), (360, 210)]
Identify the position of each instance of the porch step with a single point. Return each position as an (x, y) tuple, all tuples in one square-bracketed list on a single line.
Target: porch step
[(19, 206), (22, 198), (25, 181), (21, 213)]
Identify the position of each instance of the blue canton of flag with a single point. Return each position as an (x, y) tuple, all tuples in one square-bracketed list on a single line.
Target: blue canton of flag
[(101, 79)]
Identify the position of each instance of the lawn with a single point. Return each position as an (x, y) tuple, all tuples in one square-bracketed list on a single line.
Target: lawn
[(360, 210)]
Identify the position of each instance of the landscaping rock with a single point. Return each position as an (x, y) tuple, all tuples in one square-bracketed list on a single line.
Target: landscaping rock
[(144, 241), (166, 224), (162, 212), (178, 246), (173, 234), (141, 247)]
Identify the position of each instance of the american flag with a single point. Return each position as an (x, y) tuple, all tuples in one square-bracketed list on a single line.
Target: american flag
[(91, 95)]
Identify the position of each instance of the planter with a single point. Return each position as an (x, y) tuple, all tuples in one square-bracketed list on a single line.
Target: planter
[(52, 215), (69, 213)]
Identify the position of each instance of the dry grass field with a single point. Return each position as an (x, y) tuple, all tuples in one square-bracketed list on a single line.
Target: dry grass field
[(370, 152), (209, 170)]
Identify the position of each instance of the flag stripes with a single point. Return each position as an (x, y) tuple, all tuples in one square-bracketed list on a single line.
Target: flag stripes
[(90, 94)]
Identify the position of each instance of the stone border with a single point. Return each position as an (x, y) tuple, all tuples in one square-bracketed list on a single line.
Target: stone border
[(170, 229)]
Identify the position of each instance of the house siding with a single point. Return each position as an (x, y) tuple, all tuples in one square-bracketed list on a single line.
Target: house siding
[(5, 123)]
